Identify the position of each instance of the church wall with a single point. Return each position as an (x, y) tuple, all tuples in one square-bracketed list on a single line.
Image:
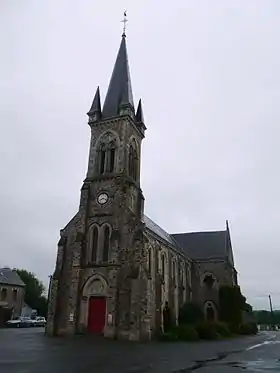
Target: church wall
[(151, 285), (172, 286), (222, 275), (66, 279)]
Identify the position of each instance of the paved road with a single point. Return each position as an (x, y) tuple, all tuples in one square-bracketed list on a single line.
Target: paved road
[(29, 351)]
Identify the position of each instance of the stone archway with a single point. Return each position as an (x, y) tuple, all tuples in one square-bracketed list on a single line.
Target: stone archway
[(95, 287), (210, 311)]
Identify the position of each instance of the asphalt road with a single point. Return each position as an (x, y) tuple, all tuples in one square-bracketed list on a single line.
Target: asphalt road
[(29, 351)]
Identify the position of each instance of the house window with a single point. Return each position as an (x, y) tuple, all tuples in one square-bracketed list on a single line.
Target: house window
[(14, 295), (3, 294)]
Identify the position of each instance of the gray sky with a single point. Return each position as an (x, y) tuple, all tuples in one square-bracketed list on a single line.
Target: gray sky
[(208, 74)]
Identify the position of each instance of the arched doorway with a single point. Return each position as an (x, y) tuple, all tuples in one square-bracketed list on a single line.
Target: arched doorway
[(210, 311), (93, 305)]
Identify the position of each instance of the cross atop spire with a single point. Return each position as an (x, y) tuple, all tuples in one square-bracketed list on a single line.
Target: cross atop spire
[(124, 23)]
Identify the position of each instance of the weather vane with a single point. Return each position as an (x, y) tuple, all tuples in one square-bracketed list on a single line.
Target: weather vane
[(124, 22)]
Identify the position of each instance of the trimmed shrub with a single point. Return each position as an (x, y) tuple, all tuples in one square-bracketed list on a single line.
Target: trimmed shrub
[(249, 328), (185, 333), (207, 331), (190, 313)]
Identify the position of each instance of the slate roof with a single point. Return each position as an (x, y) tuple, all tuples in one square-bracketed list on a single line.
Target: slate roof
[(196, 245), (120, 89), (10, 277), (152, 226), (203, 245)]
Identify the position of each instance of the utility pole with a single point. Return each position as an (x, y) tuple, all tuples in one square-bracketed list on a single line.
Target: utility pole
[(271, 311)]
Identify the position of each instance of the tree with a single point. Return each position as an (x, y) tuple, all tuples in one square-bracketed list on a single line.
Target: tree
[(232, 303), (264, 317), (34, 291), (248, 307)]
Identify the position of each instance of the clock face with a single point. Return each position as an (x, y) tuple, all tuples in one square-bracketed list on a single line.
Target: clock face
[(102, 198)]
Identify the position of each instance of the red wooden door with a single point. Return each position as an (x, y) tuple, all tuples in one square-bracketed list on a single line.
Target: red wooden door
[(96, 314)]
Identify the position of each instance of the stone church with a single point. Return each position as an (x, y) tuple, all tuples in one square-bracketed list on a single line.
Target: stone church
[(116, 267)]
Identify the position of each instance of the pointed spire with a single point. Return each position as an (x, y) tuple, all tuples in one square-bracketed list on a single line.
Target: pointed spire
[(139, 113), (96, 105), (120, 91)]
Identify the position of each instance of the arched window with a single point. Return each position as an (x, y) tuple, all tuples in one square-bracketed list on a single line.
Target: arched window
[(106, 154), (163, 266), (173, 270), (209, 281), (106, 244), (133, 160), (111, 155), (181, 275), (130, 161), (102, 159), (149, 260), (94, 244)]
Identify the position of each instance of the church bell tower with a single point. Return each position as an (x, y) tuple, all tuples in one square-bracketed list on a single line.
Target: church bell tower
[(117, 131), (100, 283), (113, 200)]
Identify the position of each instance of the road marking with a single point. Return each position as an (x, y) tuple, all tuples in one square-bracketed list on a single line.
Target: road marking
[(269, 342)]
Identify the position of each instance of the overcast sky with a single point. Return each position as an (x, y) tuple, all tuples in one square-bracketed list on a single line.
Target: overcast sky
[(208, 75)]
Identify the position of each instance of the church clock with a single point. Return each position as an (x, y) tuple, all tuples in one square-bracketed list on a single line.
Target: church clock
[(103, 198)]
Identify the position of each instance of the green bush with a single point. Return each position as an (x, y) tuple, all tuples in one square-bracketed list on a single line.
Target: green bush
[(207, 331), (185, 333), (232, 303), (168, 337), (190, 313), (234, 328), (222, 329), (247, 329)]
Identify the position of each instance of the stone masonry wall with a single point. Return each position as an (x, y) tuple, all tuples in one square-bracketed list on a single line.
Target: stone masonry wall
[(164, 286), (221, 272)]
